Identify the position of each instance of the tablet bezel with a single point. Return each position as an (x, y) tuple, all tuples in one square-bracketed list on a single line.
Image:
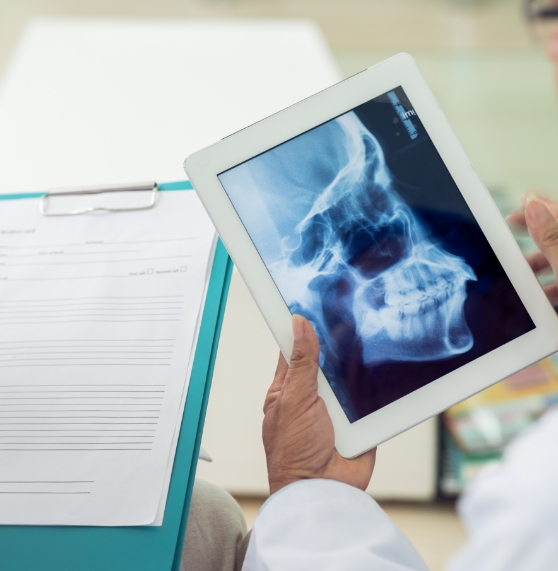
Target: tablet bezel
[(203, 168)]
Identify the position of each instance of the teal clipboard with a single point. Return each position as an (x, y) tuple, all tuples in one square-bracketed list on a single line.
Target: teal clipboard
[(56, 548)]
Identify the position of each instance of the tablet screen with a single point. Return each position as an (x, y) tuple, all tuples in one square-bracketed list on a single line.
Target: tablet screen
[(366, 234)]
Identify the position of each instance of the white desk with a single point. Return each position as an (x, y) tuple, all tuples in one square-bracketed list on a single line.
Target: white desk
[(100, 101)]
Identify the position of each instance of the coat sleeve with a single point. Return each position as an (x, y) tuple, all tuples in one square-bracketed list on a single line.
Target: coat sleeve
[(322, 525), (511, 513)]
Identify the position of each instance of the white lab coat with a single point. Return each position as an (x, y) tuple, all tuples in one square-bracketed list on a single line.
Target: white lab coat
[(511, 515)]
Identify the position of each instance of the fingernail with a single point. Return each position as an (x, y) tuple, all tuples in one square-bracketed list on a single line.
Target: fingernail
[(525, 198), (298, 326), (536, 212)]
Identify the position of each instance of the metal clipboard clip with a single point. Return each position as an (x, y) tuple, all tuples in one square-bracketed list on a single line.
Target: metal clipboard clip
[(150, 187)]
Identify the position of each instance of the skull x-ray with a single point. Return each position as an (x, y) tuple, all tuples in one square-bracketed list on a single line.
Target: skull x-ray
[(356, 245)]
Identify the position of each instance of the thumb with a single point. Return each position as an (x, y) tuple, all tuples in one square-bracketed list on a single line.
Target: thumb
[(543, 229), (303, 367)]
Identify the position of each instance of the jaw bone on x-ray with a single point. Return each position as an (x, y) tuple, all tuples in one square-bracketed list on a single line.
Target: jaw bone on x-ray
[(344, 248)]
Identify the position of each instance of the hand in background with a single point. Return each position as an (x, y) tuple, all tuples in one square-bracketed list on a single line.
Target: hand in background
[(297, 430), (539, 216), (517, 218)]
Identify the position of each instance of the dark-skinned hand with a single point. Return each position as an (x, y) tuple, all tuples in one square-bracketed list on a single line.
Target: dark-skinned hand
[(297, 430)]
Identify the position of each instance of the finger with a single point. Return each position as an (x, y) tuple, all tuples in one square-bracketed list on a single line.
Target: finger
[(303, 368), (517, 218), (543, 229), (538, 262), (278, 380), (550, 204), (551, 292)]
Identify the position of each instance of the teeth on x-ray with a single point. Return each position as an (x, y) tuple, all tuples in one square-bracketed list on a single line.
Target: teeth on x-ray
[(361, 248)]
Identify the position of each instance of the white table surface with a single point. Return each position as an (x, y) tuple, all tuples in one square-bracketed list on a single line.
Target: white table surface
[(100, 101), (107, 101)]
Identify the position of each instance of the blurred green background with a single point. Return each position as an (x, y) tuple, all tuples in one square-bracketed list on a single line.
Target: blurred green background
[(491, 78)]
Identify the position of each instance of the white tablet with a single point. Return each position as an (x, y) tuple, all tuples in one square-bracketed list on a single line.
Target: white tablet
[(359, 209)]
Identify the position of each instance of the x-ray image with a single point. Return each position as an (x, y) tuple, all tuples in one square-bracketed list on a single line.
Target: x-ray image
[(365, 233)]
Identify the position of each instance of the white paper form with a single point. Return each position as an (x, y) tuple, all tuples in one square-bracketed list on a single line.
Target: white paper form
[(98, 316)]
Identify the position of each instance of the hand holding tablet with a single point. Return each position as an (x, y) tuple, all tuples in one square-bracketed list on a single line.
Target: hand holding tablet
[(297, 431), (358, 209)]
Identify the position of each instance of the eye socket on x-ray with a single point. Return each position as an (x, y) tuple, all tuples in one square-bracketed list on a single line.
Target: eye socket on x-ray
[(365, 233)]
